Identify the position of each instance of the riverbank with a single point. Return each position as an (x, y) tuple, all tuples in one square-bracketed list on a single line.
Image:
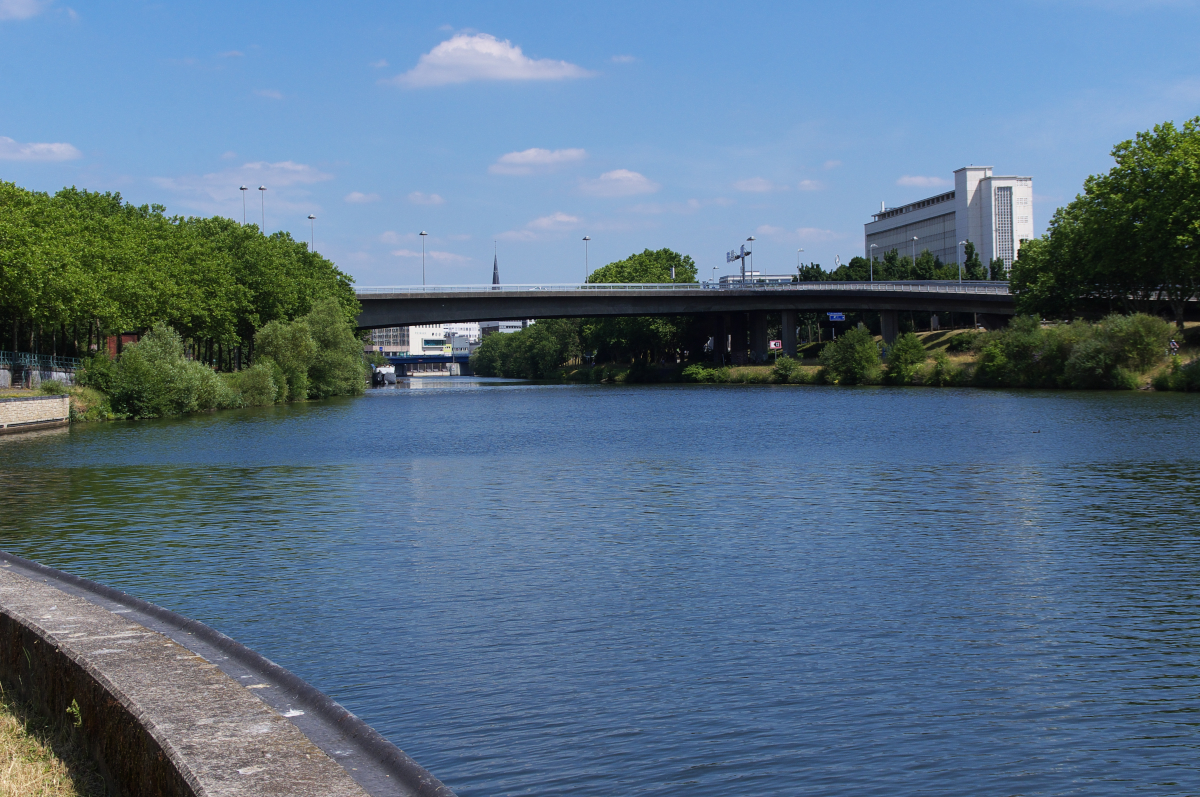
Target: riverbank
[(40, 756)]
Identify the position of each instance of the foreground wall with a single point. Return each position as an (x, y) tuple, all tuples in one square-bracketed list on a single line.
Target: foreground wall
[(193, 715), (33, 412)]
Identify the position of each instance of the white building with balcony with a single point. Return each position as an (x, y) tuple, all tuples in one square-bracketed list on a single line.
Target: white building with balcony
[(994, 213)]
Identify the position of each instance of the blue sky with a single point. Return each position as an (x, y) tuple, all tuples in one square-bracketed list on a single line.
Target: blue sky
[(647, 124)]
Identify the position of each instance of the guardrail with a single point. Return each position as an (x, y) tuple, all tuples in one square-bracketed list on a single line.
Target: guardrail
[(930, 286), (38, 361)]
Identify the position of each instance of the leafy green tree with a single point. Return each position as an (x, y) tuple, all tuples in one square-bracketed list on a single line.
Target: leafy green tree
[(906, 355), (853, 359), (649, 266), (972, 265), (292, 347), (644, 339)]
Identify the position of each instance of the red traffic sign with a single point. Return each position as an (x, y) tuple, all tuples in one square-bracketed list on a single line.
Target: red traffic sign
[(776, 344)]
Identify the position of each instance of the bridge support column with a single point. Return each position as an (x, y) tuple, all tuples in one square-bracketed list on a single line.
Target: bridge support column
[(993, 321), (737, 335), (889, 324), (787, 320), (720, 337), (758, 335)]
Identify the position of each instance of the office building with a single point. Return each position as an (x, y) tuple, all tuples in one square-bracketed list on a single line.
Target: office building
[(994, 213)]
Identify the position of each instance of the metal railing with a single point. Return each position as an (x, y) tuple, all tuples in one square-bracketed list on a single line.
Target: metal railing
[(43, 362), (930, 286)]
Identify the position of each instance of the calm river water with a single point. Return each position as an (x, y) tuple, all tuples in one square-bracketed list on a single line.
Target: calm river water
[(707, 590)]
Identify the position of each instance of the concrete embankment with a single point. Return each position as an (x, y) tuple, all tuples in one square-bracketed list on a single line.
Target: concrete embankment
[(33, 412), (168, 706)]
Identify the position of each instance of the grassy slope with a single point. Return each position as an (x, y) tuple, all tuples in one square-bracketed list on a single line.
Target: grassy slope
[(41, 758)]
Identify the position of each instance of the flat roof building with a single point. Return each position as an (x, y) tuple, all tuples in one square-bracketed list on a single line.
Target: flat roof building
[(994, 213)]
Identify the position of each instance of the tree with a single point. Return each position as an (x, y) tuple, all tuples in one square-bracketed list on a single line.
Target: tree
[(853, 359), (906, 355), (972, 266), (641, 338), (649, 266)]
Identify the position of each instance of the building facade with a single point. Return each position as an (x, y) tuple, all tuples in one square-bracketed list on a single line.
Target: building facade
[(994, 213)]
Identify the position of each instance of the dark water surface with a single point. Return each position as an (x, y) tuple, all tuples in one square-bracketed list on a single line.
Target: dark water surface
[(704, 590)]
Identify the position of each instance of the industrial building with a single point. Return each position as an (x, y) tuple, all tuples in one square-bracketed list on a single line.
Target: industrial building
[(994, 213)]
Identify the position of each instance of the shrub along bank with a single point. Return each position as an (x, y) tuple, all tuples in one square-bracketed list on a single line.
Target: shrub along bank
[(315, 356)]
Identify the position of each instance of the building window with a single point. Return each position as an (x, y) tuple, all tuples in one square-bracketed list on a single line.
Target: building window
[(1004, 225)]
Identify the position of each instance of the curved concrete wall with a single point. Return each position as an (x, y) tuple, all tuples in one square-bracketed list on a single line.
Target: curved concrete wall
[(169, 706)]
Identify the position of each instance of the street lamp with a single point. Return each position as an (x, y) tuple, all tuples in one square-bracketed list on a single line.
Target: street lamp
[(960, 260), (423, 234), (872, 266), (586, 271), (751, 241), (714, 275), (914, 252), (262, 194), (312, 233), (798, 251), (243, 189)]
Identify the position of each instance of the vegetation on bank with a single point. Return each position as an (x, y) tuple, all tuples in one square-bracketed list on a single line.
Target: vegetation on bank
[(42, 757)]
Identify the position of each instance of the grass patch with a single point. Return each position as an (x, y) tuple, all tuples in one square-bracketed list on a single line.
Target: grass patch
[(40, 757)]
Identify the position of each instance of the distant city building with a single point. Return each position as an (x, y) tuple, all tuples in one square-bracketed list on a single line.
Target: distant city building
[(424, 339), (993, 213), (469, 330), (754, 277), (491, 327)]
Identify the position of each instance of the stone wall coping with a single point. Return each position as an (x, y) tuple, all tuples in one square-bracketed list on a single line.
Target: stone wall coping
[(54, 397), (368, 763)]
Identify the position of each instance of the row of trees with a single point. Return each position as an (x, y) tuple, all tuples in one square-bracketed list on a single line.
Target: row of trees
[(894, 266), (78, 266), (1130, 241)]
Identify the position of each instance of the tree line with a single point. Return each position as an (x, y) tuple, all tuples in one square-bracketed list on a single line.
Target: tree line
[(78, 266), (894, 267)]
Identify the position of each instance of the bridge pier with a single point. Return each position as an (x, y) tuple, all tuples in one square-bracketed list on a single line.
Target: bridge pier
[(738, 334), (758, 335), (889, 325), (787, 319), (720, 337)]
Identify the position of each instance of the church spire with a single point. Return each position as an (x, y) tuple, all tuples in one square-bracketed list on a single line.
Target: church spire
[(496, 268)]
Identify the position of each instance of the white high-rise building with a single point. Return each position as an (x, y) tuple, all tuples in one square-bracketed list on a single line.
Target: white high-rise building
[(994, 213)]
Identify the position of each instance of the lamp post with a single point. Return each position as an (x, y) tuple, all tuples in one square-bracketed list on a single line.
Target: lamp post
[(586, 271), (961, 243), (714, 275), (751, 242), (243, 189), (423, 234), (262, 195), (798, 251), (914, 252), (312, 233), (872, 266)]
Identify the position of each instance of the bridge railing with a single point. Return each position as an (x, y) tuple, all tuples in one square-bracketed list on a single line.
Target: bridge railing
[(926, 286)]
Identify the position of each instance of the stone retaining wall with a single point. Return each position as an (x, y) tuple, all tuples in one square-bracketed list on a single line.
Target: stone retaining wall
[(33, 412), (159, 718)]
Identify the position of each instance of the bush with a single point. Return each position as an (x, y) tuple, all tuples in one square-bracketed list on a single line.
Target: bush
[(290, 347), (89, 404), (944, 373), (1139, 340), (1182, 378), (853, 359), (97, 371), (53, 387), (153, 379), (963, 341), (785, 369), (255, 385), (905, 358)]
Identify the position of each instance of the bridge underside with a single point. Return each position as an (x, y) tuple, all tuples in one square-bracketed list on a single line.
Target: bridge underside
[(410, 309)]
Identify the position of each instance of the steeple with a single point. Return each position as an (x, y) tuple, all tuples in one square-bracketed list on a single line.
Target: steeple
[(496, 269)]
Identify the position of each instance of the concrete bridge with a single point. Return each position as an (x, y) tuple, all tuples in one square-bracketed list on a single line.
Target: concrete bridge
[(732, 311)]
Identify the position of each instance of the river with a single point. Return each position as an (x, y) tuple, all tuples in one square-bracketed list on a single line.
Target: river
[(681, 590)]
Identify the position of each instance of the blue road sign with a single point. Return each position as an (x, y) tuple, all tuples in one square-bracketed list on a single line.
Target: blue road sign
[(836, 316)]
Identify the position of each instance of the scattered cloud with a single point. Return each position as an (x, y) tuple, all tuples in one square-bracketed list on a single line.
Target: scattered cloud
[(20, 9), (11, 150), (231, 54), (810, 185), (215, 192), (269, 93), (767, 229), (464, 58), (832, 164), (228, 155), (619, 182), (914, 181), (391, 237), (529, 160), (417, 198), (555, 221), (359, 198), (817, 235), (542, 227), (691, 206), (623, 59), (435, 255), (757, 185), (380, 64)]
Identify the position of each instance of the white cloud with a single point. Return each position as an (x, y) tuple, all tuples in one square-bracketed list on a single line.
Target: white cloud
[(832, 164), (526, 161), (817, 235), (542, 227), (623, 59), (359, 198), (555, 221), (380, 64), (914, 181), (810, 185), (767, 229), (464, 58), (217, 192), (228, 155), (619, 182), (16, 151), (269, 94), (417, 198), (20, 9), (757, 185), (435, 255), (691, 206)]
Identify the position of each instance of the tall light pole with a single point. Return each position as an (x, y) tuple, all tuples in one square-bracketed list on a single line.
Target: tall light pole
[(872, 267), (798, 251), (714, 275), (423, 234), (586, 271), (312, 233), (751, 241), (243, 189), (914, 252), (262, 193), (960, 260)]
